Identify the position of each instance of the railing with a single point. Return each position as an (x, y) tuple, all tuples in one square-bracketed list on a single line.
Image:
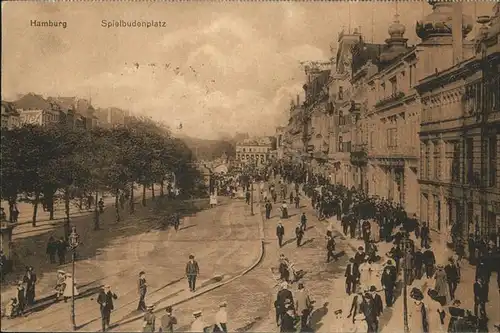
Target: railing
[(389, 99)]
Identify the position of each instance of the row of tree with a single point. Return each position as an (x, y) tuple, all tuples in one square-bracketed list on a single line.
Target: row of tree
[(39, 163)]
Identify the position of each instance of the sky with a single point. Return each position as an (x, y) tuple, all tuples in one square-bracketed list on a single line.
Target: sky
[(214, 67)]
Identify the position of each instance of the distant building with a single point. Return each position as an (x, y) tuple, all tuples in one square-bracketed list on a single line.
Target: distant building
[(10, 117), (34, 109), (258, 151)]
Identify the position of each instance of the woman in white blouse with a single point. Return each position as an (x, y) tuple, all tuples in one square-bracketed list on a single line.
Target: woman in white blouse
[(221, 319), (365, 273)]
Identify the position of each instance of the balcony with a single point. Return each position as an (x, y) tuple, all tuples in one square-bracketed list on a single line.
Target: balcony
[(359, 155), (389, 99)]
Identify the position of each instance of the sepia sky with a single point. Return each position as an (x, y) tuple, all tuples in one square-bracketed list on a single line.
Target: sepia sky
[(238, 63)]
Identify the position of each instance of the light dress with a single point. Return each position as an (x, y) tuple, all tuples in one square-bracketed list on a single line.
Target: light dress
[(365, 277), (435, 325), (415, 320), (376, 274), (69, 285)]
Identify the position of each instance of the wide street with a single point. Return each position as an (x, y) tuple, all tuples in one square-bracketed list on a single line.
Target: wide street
[(225, 241)]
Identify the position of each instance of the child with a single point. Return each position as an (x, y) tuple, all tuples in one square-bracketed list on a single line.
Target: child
[(11, 308)]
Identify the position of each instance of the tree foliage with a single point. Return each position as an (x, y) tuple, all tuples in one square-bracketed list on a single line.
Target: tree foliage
[(40, 161)]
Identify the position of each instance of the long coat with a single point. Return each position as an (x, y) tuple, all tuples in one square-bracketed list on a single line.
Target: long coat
[(69, 286), (441, 286)]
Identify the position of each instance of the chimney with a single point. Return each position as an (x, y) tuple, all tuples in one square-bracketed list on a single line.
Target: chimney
[(298, 100), (457, 33)]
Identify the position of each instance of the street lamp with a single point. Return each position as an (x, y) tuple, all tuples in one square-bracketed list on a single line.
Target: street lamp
[(405, 242), (74, 240)]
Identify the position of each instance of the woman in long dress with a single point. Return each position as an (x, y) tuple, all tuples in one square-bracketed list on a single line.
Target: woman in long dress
[(436, 317), (418, 317), (376, 275), (365, 273), (441, 286), (68, 286)]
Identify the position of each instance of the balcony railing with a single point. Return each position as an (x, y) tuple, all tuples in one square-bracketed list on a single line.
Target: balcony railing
[(359, 156), (389, 99)]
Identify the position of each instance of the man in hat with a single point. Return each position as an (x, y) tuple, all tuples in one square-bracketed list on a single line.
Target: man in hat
[(221, 319), (280, 232), (424, 235), (281, 297), (303, 306), (168, 321), (192, 271), (303, 221), (21, 298), (198, 325), (288, 318), (149, 320), (360, 255), (105, 300), (142, 287), (269, 207), (352, 275), (378, 306), (452, 276), (299, 234), (388, 281), (330, 248), (30, 280), (429, 262), (480, 296)]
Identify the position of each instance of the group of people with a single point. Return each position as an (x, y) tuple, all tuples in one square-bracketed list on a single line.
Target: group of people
[(16, 306)]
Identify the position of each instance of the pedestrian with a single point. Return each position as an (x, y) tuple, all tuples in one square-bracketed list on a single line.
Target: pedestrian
[(149, 320), (303, 221), (471, 245), (441, 286), (177, 221), (280, 232), (284, 210), (419, 313), (365, 273), (142, 288), (436, 316), (168, 321), (418, 264), (289, 318), (192, 271), (356, 304), (360, 256), (62, 247), (360, 324), (268, 207), (429, 261), (369, 312), (221, 319), (3, 265), (60, 284), (303, 306), (351, 276), (198, 325), (3, 216), (452, 277), (424, 236), (283, 269), (21, 297), (15, 213), (247, 197), (52, 249), (388, 281), (105, 301), (297, 201), (101, 206), (70, 289), (378, 305), (30, 281), (291, 198), (480, 296), (281, 299), (330, 249), (299, 234), (12, 308)]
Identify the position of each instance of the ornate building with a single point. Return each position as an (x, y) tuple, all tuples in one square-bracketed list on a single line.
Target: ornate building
[(459, 133), (293, 143), (255, 151)]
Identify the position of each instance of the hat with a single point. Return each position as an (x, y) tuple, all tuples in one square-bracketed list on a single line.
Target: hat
[(61, 271), (69, 274), (142, 273), (197, 314), (360, 248), (416, 294), (191, 256), (222, 304), (389, 262), (284, 285), (150, 307), (301, 285), (168, 309), (373, 288), (107, 286)]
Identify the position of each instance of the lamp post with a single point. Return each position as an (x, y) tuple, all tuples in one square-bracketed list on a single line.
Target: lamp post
[(74, 240), (405, 242)]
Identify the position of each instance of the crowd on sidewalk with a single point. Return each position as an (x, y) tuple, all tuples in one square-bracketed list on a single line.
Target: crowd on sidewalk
[(397, 251)]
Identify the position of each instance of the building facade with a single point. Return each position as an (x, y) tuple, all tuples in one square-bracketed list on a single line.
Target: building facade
[(459, 138), (10, 116), (257, 151)]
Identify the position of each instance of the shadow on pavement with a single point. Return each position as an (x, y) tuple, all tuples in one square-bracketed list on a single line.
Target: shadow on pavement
[(30, 251), (187, 227), (317, 316)]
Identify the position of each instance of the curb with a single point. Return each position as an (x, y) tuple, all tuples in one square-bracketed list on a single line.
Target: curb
[(220, 284)]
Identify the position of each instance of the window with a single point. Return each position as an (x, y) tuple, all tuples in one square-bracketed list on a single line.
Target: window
[(341, 118), (470, 214), (492, 161), (455, 162), (394, 85), (341, 147), (423, 160), (348, 147), (437, 161), (392, 134), (341, 93), (243, 149), (428, 160), (469, 155)]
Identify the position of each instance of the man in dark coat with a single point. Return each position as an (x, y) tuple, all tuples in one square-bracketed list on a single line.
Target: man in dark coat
[(62, 248), (360, 256), (352, 227), (142, 288), (303, 221), (52, 249), (377, 302), (30, 280), (269, 207), (388, 281), (351, 276), (345, 224), (424, 235), (192, 271), (330, 248), (452, 277), (281, 298), (418, 263), (429, 261), (480, 297), (280, 232), (299, 234), (105, 300)]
